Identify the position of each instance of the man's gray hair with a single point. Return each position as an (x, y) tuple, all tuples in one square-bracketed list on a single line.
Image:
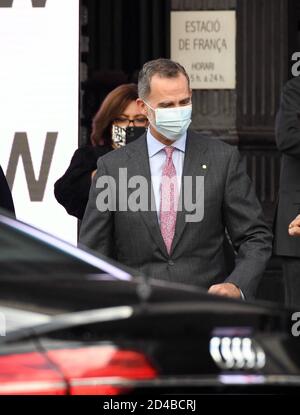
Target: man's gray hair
[(165, 68)]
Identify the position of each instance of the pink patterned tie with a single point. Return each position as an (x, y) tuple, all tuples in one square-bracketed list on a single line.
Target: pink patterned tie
[(168, 199)]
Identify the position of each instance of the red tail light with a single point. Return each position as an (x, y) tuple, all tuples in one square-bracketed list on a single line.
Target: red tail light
[(102, 370), (30, 374)]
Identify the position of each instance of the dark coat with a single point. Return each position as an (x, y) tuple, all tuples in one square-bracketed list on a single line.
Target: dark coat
[(288, 143), (6, 201), (72, 189)]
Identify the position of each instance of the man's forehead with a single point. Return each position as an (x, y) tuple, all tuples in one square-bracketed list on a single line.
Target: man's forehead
[(164, 87), (161, 81)]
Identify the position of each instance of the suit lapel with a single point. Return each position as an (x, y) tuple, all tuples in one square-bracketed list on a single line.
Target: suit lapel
[(195, 164), (194, 160), (139, 165)]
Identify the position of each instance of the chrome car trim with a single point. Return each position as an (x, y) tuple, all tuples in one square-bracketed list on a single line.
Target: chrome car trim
[(65, 321), (185, 381), (30, 387)]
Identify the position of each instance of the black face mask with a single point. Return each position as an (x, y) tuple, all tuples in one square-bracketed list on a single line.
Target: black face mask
[(122, 136), (132, 133)]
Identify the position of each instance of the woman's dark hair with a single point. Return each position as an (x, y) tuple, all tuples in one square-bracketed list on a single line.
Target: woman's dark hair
[(113, 105)]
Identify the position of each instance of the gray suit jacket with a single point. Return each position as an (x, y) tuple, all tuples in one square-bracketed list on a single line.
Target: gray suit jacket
[(197, 253), (288, 143)]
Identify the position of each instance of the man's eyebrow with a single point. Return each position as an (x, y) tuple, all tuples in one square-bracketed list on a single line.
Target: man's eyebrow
[(187, 99), (165, 103), (168, 103)]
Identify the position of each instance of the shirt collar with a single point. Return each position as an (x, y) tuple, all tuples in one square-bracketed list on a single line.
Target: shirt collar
[(155, 146)]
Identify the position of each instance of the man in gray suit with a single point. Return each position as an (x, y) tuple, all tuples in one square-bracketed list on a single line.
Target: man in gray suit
[(167, 242)]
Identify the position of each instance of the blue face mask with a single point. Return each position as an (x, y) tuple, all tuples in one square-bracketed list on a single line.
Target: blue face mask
[(172, 123)]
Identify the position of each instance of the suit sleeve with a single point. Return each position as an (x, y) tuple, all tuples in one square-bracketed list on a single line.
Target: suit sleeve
[(288, 120), (250, 235), (97, 227)]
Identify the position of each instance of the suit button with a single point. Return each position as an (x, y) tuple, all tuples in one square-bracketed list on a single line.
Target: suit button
[(170, 262)]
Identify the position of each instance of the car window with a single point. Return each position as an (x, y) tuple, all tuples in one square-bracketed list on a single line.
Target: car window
[(24, 249)]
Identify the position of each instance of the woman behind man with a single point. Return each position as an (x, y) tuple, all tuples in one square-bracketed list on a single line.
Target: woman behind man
[(119, 109)]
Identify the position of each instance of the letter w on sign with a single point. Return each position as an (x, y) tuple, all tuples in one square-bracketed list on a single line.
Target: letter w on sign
[(34, 3), (20, 149)]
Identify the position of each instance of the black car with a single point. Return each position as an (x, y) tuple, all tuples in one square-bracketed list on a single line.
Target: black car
[(75, 323)]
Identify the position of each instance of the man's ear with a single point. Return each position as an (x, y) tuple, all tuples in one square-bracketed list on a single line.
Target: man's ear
[(142, 106)]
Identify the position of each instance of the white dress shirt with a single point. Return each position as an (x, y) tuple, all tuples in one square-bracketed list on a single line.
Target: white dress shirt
[(157, 158)]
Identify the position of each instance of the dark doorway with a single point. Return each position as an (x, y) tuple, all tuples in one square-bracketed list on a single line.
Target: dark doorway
[(121, 35)]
